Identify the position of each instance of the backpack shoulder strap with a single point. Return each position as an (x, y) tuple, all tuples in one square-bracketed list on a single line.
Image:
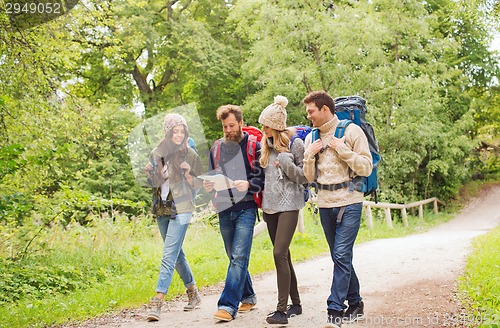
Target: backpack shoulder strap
[(251, 150), (216, 152), (340, 130), (291, 141)]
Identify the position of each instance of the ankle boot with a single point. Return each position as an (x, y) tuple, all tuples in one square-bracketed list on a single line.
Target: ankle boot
[(194, 299)]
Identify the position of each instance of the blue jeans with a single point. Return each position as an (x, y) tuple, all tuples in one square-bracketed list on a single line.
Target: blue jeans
[(340, 237), (173, 232), (237, 232)]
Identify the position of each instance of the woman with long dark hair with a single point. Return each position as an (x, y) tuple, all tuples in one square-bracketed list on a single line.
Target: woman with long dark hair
[(172, 173)]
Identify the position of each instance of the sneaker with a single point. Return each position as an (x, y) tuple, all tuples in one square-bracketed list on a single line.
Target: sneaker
[(154, 307), (354, 312), (245, 307), (293, 309), (223, 315), (194, 299), (277, 317), (334, 319)]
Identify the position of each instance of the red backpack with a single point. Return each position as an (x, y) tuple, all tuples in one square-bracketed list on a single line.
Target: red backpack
[(254, 136)]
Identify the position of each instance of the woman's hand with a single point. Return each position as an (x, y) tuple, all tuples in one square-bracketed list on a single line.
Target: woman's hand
[(148, 168), (186, 168)]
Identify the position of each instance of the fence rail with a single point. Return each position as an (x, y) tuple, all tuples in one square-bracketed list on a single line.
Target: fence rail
[(388, 206), (261, 226)]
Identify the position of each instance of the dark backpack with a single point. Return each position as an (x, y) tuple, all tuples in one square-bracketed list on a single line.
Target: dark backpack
[(352, 109)]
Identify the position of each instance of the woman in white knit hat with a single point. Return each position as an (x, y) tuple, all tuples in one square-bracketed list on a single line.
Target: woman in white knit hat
[(283, 197), (172, 173)]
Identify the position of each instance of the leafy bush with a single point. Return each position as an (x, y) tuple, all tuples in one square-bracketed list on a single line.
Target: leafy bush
[(33, 278), (481, 280)]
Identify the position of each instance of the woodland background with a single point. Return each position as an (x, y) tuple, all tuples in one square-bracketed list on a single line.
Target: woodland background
[(73, 89)]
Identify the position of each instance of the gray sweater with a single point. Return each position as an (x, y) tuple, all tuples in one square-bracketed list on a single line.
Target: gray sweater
[(283, 188)]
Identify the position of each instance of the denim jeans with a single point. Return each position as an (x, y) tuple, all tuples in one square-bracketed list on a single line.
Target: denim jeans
[(237, 232), (340, 237), (173, 232)]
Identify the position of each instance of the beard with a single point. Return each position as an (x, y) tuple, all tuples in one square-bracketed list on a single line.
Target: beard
[(234, 136)]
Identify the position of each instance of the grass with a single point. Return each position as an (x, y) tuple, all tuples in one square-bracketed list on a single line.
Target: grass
[(481, 280), (122, 259)]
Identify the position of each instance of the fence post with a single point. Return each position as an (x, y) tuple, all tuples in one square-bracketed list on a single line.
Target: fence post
[(388, 218), (404, 216), (369, 218), (421, 211), (435, 206)]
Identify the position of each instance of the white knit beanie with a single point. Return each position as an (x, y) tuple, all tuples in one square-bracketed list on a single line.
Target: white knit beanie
[(274, 115)]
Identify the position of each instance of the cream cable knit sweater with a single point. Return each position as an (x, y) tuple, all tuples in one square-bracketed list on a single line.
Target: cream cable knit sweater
[(350, 160)]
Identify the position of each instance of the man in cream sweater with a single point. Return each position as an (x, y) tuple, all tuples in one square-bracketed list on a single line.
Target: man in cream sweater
[(333, 163)]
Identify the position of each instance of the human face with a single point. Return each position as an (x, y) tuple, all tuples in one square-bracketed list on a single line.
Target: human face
[(232, 128), (178, 134), (317, 116), (268, 131)]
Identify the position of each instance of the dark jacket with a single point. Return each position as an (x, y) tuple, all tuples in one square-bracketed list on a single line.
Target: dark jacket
[(233, 163)]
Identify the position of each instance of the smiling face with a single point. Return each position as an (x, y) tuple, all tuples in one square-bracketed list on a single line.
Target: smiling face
[(232, 128), (317, 116), (178, 134)]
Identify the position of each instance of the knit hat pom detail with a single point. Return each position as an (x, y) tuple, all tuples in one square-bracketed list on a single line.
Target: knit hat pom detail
[(281, 100)]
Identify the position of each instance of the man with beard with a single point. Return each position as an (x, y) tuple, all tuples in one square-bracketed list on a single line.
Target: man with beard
[(236, 208)]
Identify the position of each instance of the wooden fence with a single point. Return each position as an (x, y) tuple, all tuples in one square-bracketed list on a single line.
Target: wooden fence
[(261, 226), (388, 206)]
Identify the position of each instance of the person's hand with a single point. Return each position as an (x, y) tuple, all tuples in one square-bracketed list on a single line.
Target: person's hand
[(208, 185), (241, 185), (336, 142), (315, 147), (148, 168), (186, 167)]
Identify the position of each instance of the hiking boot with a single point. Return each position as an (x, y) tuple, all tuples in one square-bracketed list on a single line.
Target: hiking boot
[(193, 299), (334, 319), (154, 308), (223, 315), (277, 317), (354, 312), (293, 310), (245, 307)]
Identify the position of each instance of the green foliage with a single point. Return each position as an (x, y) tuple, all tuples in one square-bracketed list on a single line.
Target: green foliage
[(481, 281), (408, 71), (37, 281)]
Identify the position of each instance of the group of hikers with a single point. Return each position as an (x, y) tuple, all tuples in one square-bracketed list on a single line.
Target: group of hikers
[(276, 171)]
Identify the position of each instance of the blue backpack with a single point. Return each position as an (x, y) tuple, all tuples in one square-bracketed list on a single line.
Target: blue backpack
[(352, 109), (301, 132)]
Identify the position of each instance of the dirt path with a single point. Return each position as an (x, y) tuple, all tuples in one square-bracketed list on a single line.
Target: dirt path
[(405, 282)]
